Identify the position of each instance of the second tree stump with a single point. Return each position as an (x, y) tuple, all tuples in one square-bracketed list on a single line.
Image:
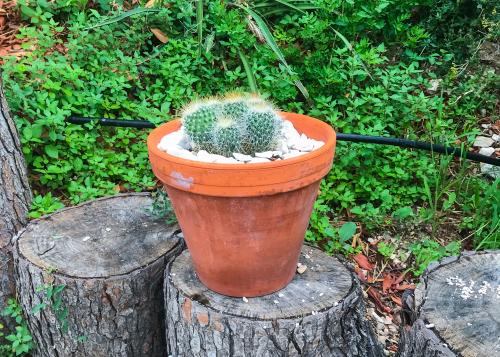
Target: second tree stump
[(320, 313), (455, 310)]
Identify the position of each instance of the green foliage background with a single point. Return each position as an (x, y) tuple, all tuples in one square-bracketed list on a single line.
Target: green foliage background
[(379, 87)]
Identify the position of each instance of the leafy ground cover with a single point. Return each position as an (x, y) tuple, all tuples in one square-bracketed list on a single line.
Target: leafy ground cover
[(412, 69)]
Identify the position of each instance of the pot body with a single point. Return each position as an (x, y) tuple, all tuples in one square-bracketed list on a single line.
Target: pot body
[(244, 224)]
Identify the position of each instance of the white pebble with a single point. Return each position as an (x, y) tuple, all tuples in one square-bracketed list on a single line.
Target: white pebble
[(227, 160), (242, 157), (483, 141), (108, 229), (85, 238), (293, 153), (487, 151), (258, 160), (283, 147), (429, 326), (204, 156), (281, 295), (245, 299), (268, 154), (276, 301)]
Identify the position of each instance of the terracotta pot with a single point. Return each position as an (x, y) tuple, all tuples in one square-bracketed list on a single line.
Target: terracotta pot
[(244, 224)]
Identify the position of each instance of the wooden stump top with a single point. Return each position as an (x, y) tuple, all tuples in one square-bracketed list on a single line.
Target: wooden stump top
[(98, 239), (460, 300), (324, 284)]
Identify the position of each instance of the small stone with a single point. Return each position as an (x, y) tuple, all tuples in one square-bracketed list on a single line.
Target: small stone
[(108, 229), (483, 141), (429, 326), (258, 160), (245, 299), (227, 160), (242, 157), (276, 301), (182, 153), (434, 85), (317, 144), (306, 146), (283, 147), (268, 154), (293, 153), (377, 318), (85, 238), (204, 156), (281, 295), (495, 137), (487, 151), (301, 269), (171, 140), (490, 170), (485, 126)]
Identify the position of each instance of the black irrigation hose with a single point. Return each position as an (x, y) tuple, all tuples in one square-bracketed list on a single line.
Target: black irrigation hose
[(355, 138)]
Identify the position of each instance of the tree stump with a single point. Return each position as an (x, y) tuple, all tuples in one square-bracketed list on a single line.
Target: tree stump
[(15, 197), (456, 309), (90, 278), (320, 313)]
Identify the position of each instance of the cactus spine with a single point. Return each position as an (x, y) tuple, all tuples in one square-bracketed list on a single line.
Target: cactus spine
[(237, 123)]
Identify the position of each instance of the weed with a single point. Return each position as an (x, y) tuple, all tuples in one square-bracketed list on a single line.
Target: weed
[(429, 251), (20, 341)]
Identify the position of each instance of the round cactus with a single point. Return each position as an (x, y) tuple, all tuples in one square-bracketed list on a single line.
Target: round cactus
[(239, 123), (234, 108), (198, 121), (262, 130)]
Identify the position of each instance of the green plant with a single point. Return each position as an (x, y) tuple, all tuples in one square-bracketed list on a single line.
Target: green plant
[(19, 342), (162, 207), (238, 123), (429, 251), (53, 299), (44, 205), (386, 249)]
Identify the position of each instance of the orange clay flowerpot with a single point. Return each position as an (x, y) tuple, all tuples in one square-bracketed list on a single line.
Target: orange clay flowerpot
[(244, 224)]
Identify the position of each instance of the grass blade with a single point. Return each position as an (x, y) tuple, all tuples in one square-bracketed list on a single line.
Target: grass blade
[(123, 16), (248, 70), (266, 33), (199, 24), (353, 51)]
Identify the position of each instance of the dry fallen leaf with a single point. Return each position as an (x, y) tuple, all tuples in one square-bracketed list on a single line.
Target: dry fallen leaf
[(378, 302), (361, 274), (405, 286), (363, 261), (387, 282), (159, 35), (397, 300), (150, 3)]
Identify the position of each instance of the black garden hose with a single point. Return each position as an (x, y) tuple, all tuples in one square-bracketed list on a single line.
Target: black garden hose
[(355, 138)]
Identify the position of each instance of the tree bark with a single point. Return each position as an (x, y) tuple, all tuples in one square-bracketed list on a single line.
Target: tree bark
[(455, 310), (320, 313), (108, 256), (15, 197)]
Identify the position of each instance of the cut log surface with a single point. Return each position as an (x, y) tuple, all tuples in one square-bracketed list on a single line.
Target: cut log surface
[(108, 256), (320, 313), (456, 309), (15, 197)]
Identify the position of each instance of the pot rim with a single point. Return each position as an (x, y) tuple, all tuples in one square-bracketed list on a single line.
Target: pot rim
[(245, 180)]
